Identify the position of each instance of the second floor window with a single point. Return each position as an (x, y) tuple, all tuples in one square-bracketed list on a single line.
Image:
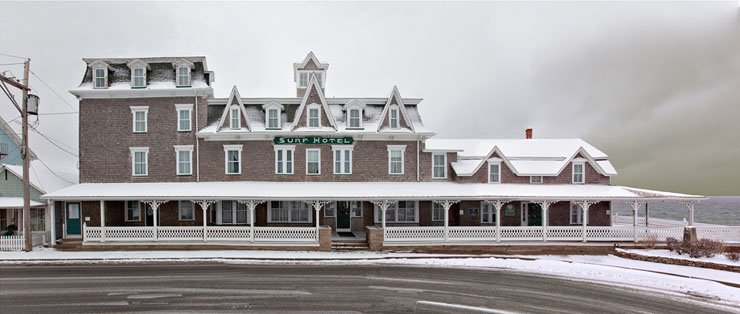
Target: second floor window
[(393, 120), (139, 161), (439, 166), (233, 155), (184, 113), (342, 161), (140, 118), (314, 117), (183, 76), (395, 159), (184, 159), (535, 179), (284, 160), (494, 173), (139, 77), (313, 161), (578, 173), (273, 119), (99, 78), (235, 121), (355, 118)]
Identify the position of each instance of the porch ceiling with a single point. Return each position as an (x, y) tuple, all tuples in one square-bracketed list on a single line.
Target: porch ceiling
[(356, 191)]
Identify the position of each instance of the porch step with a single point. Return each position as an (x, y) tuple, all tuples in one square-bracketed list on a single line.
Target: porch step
[(69, 244), (349, 245)]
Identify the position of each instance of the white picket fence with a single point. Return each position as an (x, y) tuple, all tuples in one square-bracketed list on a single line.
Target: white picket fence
[(12, 243), (195, 234)]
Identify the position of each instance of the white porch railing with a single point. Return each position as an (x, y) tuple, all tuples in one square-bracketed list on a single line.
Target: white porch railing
[(12, 243), (191, 233)]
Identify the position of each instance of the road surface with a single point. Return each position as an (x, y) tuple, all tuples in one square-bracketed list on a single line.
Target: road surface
[(219, 288)]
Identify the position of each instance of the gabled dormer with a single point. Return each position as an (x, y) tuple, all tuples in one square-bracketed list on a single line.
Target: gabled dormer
[(313, 112), (234, 117), (138, 73), (273, 113), (353, 111), (183, 72), (100, 70), (394, 117), (303, 71)]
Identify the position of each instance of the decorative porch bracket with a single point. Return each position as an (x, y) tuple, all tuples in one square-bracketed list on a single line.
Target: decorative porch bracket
[(251, 206), (584, 207), (446, 204), (690, 206), (317, 205), (154, 204), (383, 205), (545, 205), (498, 204), (204, 204), (635, 207)]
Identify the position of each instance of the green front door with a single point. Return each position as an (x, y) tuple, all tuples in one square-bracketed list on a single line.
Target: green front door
[(343, 220), (74, 223), (534, 214)]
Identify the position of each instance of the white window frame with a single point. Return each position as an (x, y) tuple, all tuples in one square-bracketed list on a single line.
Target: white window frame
[(532, 179), (234, 213), (180, 108), (318, 150), (95, 77), (320, 77), (494, 162), (342, 158), (392, 148), (277, 118), (143, 77), (135, 150), (177, 76), (290, 212), (359, 118), (235, 124), (136, 210), (391, 110), (583, 172), (227, 149), (330, 210), (309, 108), (487, 213), (394, 207), (579, 214), (180, 211), (145, 110), (444, 165), (353, 205), (284, 162), (435, 207), (303, 83), (183, 148)]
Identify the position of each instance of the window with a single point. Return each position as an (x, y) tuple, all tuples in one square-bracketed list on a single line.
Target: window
[(233, 155), (330, 210), (100, 77), (400, 212), (184, 158), (139, 162), (342, 159), (438, 212), (494, 172), (140, 118), (233, 212), (313, 161), (284, 159), (273, 119), (314, 116), (133, 211), (37, 219), (488, 213), (184, 113), (535, 179), (139, 77), (393, 121), (355, 118), (187, 211), (576, 214), (439, 166), (395, 159), (356, 209), (302, 79), (320, 78), (235, 122), (578, 171), (183, 76), (288, 212)]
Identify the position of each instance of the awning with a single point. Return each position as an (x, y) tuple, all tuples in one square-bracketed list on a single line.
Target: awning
[(355, 191), (17, 202)]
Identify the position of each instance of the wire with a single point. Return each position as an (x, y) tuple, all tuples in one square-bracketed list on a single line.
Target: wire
[(54, 91), (1, 64), (57, 113), (54, 142), (54, 173), (12, 56)]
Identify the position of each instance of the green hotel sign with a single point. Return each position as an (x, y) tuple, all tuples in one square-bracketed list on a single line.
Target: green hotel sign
[(313, 140)]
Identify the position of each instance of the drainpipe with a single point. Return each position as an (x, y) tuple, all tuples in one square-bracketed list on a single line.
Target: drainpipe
[(417, 160), (197, 148)]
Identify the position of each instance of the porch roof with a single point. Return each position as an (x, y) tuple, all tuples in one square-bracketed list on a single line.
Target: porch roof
[(254, 190), (17, 202)]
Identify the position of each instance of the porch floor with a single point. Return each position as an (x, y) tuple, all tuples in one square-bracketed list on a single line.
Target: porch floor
[(358, 235)]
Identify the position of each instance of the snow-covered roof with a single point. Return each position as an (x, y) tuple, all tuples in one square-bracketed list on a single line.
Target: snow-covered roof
[(42, 178), (354, 191), (526, 157), (17, 202)]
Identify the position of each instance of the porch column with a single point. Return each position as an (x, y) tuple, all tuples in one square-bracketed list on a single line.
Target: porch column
[(584, 207), (497, 204), (383, 205), (102, 221), (635, 207), (690, 206), (251, 206), (52, 216), (154, 204), (204, 204), (545, 206), (446, 204), (317, 206)]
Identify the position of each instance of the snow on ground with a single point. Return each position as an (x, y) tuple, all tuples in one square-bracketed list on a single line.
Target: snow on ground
[(719, 258)]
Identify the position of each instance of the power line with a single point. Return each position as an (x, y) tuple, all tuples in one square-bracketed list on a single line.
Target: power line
[(54, 91), (54, 142), (57, 113), (12, 56), (54, 173), (1, 64)]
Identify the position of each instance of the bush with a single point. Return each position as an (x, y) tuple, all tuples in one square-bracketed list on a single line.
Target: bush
[(733, 256), (673, 244), (709, 248), (651, 241), (702, 248)]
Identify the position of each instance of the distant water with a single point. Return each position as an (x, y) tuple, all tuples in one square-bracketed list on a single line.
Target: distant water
[(721, 210)]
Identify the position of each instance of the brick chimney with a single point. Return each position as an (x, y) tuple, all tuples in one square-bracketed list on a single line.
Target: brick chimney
[(529, 134)]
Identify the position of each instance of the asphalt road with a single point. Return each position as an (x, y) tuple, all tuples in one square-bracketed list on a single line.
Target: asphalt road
[(218, 288)]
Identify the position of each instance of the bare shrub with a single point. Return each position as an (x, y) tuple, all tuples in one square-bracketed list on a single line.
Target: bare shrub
[(651, 241), (673, 244), (733, 256), (709, 248)]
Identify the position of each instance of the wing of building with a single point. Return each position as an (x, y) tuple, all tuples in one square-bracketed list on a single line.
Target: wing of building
[(162, 159)]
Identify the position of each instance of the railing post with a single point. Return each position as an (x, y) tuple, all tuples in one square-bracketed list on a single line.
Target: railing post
[(102, 221), (383, 205), (690, 206), (204, 204), (584, 207), (251, 206), (84, 232), (317, 206), (154, 204), (446, 204), (497, 204), (52, 215), (545, 206), (635, 207)]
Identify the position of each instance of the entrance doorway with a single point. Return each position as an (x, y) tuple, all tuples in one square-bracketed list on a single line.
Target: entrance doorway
[(344, 223), (531, 214), (74, 222)]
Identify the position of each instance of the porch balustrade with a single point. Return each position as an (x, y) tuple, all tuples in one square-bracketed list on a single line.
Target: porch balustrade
[(192, 233)]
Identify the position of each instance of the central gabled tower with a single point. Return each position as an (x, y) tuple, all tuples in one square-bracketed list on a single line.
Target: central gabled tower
[(302, 73)]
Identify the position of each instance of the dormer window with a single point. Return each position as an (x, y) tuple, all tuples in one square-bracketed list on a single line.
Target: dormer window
[(578, 173), (273, 119), (303, 79), (100, 77), (494, 170), (320, 78), (393, 118), (139, 77), (355, 118), (305, 76), (235, 121), (183, 76), (314, 116)]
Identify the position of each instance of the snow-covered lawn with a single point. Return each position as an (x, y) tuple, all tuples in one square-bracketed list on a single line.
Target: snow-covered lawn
[(719, 258)]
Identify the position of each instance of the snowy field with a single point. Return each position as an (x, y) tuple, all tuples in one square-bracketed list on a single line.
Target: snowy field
[(699, 283)]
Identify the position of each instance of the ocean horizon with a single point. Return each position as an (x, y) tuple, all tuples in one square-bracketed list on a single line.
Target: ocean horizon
[(720, 210)]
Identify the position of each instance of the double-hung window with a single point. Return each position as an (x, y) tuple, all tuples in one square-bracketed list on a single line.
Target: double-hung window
[(184, 114), (488, 213), (393, 118), (303, 79), (133, 211), (187, 210), (284, 159), (288, 212), (494, 171), (235, 121), (100, 77), (439, 166), (139, 77), (320, 78), (576, 214), (399, 212), (233, 212), (139, 161), (342, 159), (140, 114), (438, 212), (356, 209), (355, 118), (313, 161), (578, 172), (535, 179), (233, 159), (184, 158), (183, 76), (314, 116), (395, 159), (273, 119)]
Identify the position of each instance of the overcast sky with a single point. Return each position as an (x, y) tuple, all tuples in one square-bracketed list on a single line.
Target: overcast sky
[(654, 85)]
